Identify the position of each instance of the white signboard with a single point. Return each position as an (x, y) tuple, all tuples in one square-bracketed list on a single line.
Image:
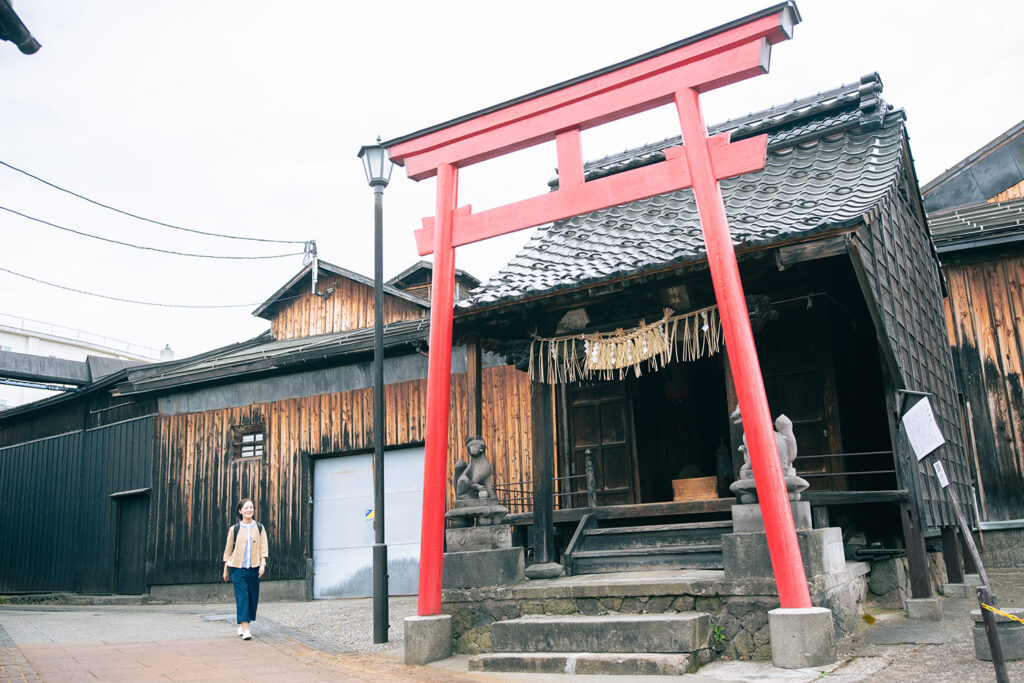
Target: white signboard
[(922, 430), (940, 472)]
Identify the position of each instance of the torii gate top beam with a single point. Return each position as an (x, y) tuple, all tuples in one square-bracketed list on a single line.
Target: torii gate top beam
[(721, 56)]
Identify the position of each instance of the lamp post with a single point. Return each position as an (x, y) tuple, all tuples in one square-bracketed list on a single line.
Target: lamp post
[(377, 164)]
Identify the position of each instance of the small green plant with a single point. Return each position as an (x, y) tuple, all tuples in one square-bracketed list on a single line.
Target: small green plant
[(717, 633)]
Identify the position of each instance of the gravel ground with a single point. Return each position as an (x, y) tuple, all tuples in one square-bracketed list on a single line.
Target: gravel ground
[(346, 623)]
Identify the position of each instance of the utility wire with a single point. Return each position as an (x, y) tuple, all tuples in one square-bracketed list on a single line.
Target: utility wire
[(143, 218), (139, 246), (127, 301)]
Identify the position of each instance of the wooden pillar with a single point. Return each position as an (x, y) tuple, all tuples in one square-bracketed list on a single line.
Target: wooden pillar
[(951, 554), (543, 473), (474, 382), (969, 565), (735, 430), (917, 555)]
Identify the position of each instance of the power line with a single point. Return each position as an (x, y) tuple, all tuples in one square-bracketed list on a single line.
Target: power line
[(115, 298), (143, 218), (139, 246)]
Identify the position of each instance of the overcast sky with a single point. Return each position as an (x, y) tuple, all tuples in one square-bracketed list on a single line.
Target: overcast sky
[(245, 118)]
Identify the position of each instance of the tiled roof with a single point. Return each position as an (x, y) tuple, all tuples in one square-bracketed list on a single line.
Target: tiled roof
[(831, 157), (980, 225)]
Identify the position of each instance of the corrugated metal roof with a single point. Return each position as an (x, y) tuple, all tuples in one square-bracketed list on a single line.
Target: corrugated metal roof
[(831, 158), (977, 226)]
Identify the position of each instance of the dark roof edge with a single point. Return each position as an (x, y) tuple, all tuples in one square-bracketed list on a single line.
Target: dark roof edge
[(102, 383), (973, 158), (427, 264), (774, 9), (334, 270)]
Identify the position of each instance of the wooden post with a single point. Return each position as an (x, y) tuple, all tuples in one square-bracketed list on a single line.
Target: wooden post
[(969, 566), (951, 554), (917, 554), (543, 474), (474, 382)]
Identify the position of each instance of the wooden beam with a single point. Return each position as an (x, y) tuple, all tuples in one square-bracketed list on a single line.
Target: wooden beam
[(951, 555), (474, 381), (809, 251), (543, 473)]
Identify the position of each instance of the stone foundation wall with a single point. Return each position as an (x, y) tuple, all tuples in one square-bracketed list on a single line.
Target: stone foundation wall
[(740, 622)]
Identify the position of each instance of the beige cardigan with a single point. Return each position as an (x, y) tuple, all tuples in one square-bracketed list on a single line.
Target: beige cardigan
[(234, 553)]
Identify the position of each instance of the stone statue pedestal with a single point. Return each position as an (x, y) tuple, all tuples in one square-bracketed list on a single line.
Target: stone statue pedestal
[(482, 556), (745, 551)]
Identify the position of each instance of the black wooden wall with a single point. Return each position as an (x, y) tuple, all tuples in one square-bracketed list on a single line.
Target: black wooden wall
[(58, 523)]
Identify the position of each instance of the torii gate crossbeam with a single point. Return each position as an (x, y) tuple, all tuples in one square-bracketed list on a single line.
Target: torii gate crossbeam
[(676, 73)]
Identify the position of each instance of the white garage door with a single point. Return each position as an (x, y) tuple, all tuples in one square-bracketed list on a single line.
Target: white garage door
[(343, 523)]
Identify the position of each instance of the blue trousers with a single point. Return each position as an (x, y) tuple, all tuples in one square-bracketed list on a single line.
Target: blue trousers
[(247, 592)]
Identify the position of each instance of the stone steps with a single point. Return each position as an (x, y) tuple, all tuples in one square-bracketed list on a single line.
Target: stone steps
[(611, 644), (672, 633), (587, 663), (697, 556)]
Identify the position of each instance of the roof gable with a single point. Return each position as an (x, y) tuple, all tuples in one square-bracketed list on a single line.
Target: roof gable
[(831, 158)]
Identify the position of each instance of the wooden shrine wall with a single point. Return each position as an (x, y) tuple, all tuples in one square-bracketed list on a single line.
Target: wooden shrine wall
[(349, 307), (985, 320)]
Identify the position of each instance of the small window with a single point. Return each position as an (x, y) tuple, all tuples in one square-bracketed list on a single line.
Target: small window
[(248, 441)]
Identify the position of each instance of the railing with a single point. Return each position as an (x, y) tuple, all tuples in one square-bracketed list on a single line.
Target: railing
[(876, 464), (72, 334), (517, 496)]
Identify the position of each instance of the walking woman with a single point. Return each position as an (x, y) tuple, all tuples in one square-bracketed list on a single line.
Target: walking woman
[(245, 560)]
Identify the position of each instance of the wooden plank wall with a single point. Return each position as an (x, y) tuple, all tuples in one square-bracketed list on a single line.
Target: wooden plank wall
[(985, 320), (350, 307), (1015, 192), (904, 278), (197, 484)]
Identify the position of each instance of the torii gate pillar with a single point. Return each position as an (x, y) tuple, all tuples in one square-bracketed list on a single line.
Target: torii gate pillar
[(676, 73)]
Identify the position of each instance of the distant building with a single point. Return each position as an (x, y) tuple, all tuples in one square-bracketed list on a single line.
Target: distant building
[(23, 335)]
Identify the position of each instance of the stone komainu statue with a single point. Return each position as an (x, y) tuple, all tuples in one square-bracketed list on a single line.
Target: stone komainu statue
[(475, 504), (785, 443)]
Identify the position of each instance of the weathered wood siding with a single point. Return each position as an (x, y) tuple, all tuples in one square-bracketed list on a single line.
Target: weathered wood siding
[(904, 281), (985, 319), (1015, 192), (350, 307), (199, 483)]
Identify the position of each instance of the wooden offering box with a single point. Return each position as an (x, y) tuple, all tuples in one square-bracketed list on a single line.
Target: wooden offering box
[(696, 488)]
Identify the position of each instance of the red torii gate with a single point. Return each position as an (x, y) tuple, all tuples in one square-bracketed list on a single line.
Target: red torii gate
[(675, 73)]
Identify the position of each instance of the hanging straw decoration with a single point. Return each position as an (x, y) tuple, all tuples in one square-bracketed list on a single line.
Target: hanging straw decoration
[(607, 355)]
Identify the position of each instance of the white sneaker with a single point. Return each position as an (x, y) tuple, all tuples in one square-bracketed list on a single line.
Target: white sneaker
[(240, 630), (246, 635)]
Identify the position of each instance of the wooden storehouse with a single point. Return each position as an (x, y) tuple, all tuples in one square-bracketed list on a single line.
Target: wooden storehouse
[(147, 463), (976, 215), (612, 313)]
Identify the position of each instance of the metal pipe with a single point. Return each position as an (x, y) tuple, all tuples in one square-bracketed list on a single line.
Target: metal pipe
[(380, 549)]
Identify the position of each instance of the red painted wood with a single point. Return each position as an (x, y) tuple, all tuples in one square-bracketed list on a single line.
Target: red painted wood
[(625, 99), (570, 159), (729, 159), (679, 75), (707, 56), (439, 376), (746, 371)]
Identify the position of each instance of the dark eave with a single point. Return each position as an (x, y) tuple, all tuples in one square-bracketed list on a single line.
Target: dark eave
[(274, 356), (12, 29), (399, 280), (791, 17)]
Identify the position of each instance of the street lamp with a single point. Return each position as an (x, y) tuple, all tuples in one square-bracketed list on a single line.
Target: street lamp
[(377, 164)]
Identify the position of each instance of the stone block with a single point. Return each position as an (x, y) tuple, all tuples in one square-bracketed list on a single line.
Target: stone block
[(665, 633), (748, 519), (972, 580), (887, 576), (801, 637), (428, 639), (478, 538), (544, 570), (1011, 635), (924, 608), (958, 590), (477, 568), (745, 555)]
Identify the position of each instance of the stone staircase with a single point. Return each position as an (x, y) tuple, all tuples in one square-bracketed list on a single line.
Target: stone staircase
[(692, 545), (609, 644)]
